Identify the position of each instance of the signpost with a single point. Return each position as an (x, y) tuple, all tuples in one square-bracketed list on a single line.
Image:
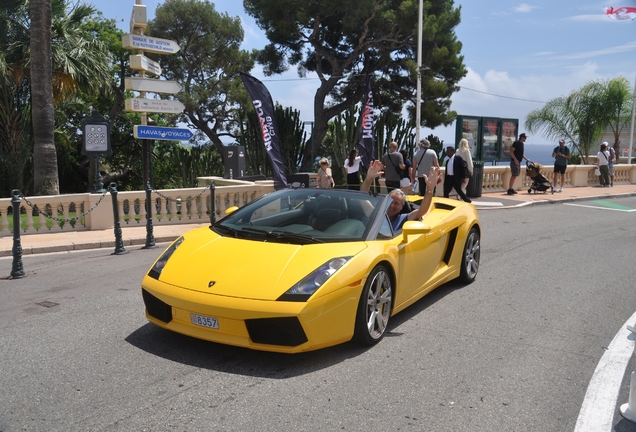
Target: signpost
[(152, 85), (143, 63), (138, 18), (162, 133), (149, 44), (154, 105), (141, 43), (96, 141)]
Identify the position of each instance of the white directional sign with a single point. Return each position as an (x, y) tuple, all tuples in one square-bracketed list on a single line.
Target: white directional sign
[(154, 105), (152, 85), (140, 62), (150, 44)]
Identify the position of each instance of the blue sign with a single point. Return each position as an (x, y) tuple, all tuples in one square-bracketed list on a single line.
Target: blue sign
[(162, 133)]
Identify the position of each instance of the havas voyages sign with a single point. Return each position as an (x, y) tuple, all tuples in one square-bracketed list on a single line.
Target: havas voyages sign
[(262, 101), (366, 139)]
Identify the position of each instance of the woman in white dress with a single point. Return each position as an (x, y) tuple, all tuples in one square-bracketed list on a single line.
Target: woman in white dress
[(464, 151)]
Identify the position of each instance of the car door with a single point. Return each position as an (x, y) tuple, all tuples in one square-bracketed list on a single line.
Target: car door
[(420, 260)]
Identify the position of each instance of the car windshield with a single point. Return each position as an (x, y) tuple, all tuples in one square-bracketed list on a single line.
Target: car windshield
[(303, 216)]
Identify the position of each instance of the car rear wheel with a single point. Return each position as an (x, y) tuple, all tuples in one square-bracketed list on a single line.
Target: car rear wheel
[(374, 308), (470, 258)]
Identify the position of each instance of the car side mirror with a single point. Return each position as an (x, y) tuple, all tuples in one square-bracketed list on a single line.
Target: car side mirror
[(414, 227), (231, 210)]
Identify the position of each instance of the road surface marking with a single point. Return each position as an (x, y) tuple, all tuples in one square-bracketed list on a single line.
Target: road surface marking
[(599, 404)]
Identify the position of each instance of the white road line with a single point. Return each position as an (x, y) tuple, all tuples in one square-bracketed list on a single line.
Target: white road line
[(599, 404), (600, 207)]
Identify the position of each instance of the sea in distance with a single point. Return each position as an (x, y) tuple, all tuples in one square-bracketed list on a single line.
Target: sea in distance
[(541, 153)]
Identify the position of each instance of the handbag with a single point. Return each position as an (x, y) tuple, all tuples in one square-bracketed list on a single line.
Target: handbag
[(597, 171)]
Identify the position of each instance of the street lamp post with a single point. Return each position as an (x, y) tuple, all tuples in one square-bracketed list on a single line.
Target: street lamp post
[(418, 101), (631, 129), (147, 178)]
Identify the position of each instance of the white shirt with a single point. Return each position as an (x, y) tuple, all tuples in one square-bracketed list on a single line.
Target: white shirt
[(355, 167), (449, 166)]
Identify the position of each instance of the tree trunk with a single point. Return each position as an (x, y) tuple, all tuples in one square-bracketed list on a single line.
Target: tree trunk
[(45, 175)]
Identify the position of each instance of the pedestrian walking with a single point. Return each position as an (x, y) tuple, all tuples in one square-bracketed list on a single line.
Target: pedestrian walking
[(516, 155), (602, 163), (454, 174), (405, 177), (423, 160), (463, 150), (610, 166), (393, 166), (325, 179)]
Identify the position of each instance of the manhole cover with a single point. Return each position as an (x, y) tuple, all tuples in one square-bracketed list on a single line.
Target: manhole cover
[(47, 304)]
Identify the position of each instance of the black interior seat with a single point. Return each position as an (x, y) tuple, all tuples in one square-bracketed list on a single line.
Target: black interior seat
[(328, 212)]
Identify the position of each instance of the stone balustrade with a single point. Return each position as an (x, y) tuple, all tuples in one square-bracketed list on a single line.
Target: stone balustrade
[(87, 211)]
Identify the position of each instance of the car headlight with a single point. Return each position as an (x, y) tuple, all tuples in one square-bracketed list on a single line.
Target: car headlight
[(310, 283), (156, 269)]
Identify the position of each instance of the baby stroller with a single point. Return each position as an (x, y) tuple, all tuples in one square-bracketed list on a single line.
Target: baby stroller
[(539, 182)]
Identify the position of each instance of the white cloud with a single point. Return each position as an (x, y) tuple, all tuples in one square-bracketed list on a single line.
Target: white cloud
[(524, 8), (499, 94)]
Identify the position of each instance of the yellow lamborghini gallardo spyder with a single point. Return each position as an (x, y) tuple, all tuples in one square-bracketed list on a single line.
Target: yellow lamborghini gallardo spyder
[(302, 269)]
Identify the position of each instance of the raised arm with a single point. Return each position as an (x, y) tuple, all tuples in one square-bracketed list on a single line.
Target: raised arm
[(375, 170)]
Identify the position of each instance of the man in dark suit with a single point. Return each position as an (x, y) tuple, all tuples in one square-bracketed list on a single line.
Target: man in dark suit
[(454, 174)]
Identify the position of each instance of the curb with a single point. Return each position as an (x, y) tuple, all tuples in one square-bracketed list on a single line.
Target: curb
[(73, 247)]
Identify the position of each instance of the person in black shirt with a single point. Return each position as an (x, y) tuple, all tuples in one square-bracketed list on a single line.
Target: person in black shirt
[(516, 154)]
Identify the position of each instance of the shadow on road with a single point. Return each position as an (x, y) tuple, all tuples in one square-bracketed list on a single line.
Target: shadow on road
[(242, 361)]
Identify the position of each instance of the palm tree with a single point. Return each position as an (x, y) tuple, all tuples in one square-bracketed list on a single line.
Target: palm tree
[(42, 63), (583, 115), (45, 176)]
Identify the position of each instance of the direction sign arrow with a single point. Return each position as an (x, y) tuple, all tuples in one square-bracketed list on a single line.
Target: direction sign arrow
[(140, 62), (150, 44), (154, 105), (152, 85), (162, 133)]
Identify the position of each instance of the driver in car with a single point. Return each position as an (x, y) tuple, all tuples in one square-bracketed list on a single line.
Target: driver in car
[(397, 219)]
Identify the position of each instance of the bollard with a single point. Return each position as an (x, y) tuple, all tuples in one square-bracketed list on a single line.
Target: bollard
[(212, 205), (628, 410), (150, 239), (120, 249), (17, 271)]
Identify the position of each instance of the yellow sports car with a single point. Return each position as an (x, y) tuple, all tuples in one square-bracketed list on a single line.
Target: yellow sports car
[(302, 269)]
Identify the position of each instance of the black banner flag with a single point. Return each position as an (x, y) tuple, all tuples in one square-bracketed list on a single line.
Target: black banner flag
[(262, 101), (366, 139)]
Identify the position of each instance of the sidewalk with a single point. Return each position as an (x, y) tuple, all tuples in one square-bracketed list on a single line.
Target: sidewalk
[(136, 236), (523, 198)]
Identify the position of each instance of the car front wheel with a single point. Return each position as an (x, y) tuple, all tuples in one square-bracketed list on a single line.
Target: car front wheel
[(374, 308), (470, 258)]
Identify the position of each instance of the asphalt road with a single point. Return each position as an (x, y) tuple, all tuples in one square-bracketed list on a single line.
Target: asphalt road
[(513, 351)]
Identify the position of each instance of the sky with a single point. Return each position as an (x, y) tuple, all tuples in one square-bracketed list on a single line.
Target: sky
[(518, 55)]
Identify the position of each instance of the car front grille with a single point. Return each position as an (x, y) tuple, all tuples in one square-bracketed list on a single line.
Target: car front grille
[(276, 331), (156, 308)]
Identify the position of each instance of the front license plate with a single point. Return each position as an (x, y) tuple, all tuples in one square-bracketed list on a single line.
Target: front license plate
[(204, 321)]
